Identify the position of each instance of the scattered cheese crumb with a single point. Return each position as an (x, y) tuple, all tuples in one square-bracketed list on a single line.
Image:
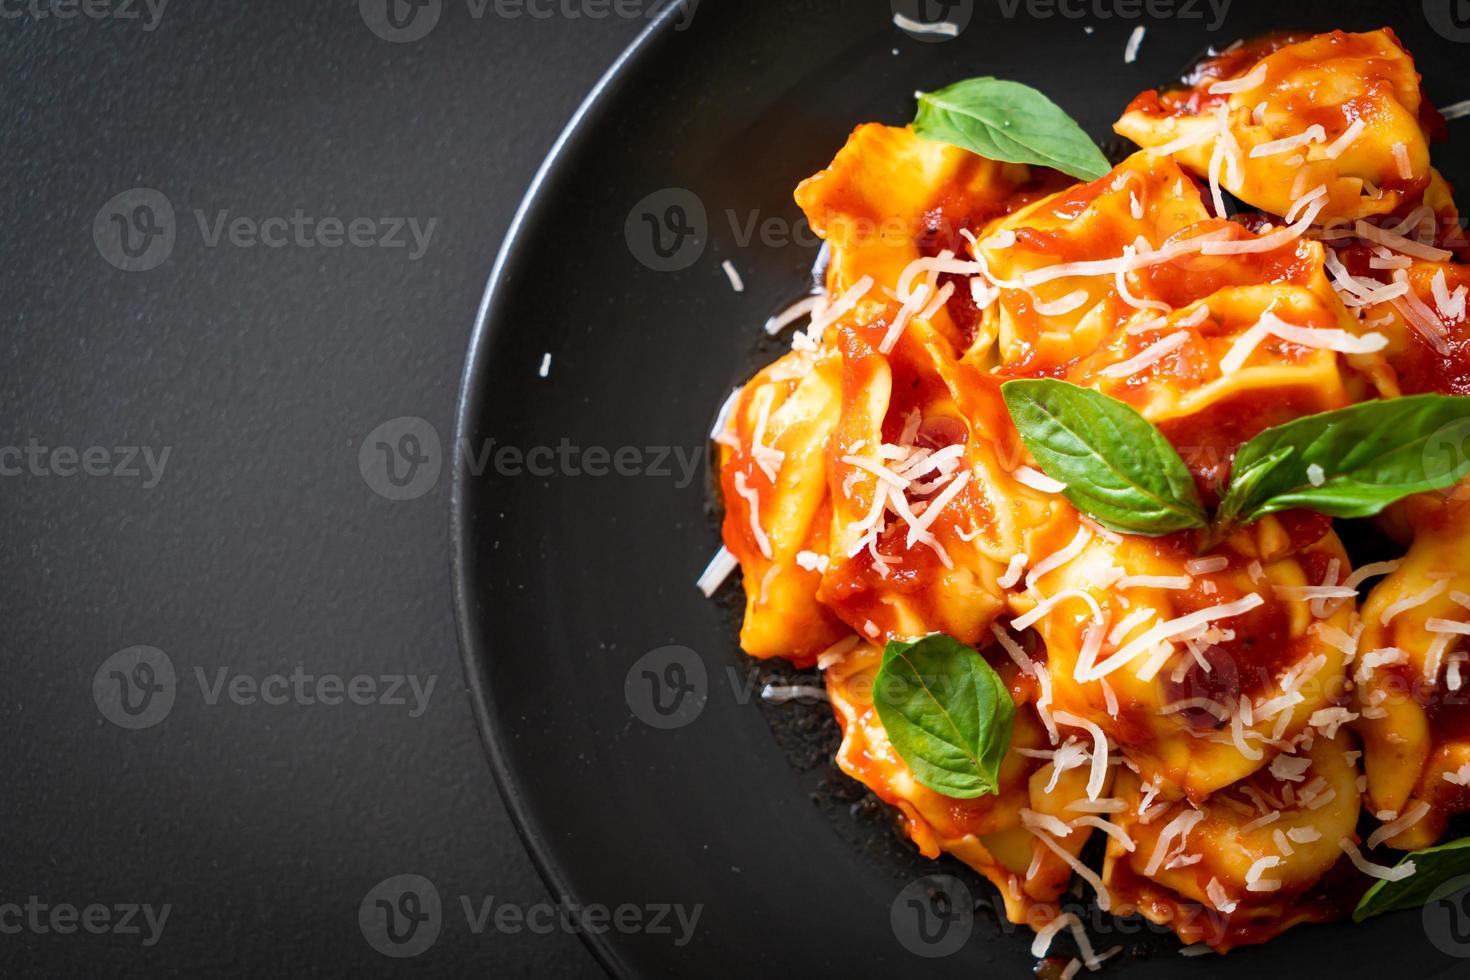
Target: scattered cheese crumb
[(1130, 53), (736, 283), (942, 28)]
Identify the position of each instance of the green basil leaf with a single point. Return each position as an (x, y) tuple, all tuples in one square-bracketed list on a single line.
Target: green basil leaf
[(947, 713), (1010, 122), (1436, 867), (1244, 485), (1118, 468), (1371, 455)]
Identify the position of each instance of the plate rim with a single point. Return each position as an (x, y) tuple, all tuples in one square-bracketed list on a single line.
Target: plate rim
[(469, 614)]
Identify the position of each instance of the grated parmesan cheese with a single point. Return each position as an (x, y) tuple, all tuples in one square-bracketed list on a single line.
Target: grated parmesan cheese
[(1437, 625), (1135, 40), (1179, 827), (837, 652), (1219, 898), (1290, 768), (1148, 357), (1059, 558), (1205, 566), (736, 283), (1172, 628), (801, 308), (813, 562), (1099, 773), (1399, 243), (1061, 307), (1254, 79), (1413, 601), (1455, 110), (1037, 480), (1401, 159), (1397, 826), (1253, 880), (1013, 571), (715, 573), (1404, 870), (941, 28), (1104, 898), (1313, 134), (1348, 137)]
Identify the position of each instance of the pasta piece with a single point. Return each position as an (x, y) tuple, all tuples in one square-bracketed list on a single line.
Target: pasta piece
[(1196, 720), (928, 512), (1218, 875), (779, 427), (1415, 730), (1363, 143), (987, 833)]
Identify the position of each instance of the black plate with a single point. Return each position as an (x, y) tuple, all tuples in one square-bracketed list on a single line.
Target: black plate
[(570, 584)]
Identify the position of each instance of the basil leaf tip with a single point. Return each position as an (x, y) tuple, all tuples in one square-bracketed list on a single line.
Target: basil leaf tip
[(1438, 874), (1352, 462), (1117, 467), (947, 713), (1009, 122)]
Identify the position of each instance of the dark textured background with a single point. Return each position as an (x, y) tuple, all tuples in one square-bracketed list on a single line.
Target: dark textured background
[(262, 548)]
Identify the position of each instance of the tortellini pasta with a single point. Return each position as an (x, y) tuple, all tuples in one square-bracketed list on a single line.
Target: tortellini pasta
[(1336, 111), (1224, 711)]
